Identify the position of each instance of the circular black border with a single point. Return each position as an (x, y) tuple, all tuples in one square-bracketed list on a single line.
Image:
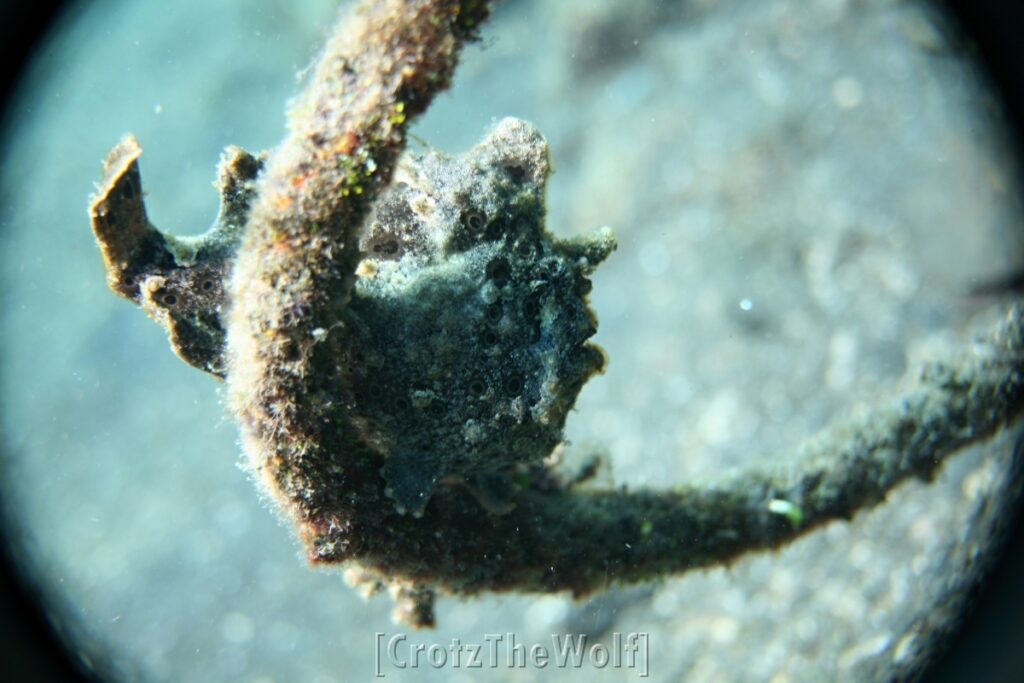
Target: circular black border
[(987, 648), (30, 649), (989, 645)]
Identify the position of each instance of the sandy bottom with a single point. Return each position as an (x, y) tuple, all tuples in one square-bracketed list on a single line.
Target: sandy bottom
[(803, 192)]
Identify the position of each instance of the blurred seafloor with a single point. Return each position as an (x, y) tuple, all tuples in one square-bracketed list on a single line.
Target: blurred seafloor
[(803, 191)]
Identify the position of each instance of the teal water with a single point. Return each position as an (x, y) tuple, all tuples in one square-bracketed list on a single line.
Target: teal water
[(801, 190)]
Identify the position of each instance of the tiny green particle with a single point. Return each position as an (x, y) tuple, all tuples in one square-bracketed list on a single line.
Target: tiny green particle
[(787, 509), (646, 527)]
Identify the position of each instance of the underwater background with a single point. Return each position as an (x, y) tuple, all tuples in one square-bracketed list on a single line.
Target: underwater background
[(804, 192)]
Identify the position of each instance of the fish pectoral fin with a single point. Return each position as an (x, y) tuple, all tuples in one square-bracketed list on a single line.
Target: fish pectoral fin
[(411, 479)]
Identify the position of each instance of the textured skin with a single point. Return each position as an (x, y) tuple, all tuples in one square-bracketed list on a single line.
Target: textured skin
[(467, 330), (178, 281)]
